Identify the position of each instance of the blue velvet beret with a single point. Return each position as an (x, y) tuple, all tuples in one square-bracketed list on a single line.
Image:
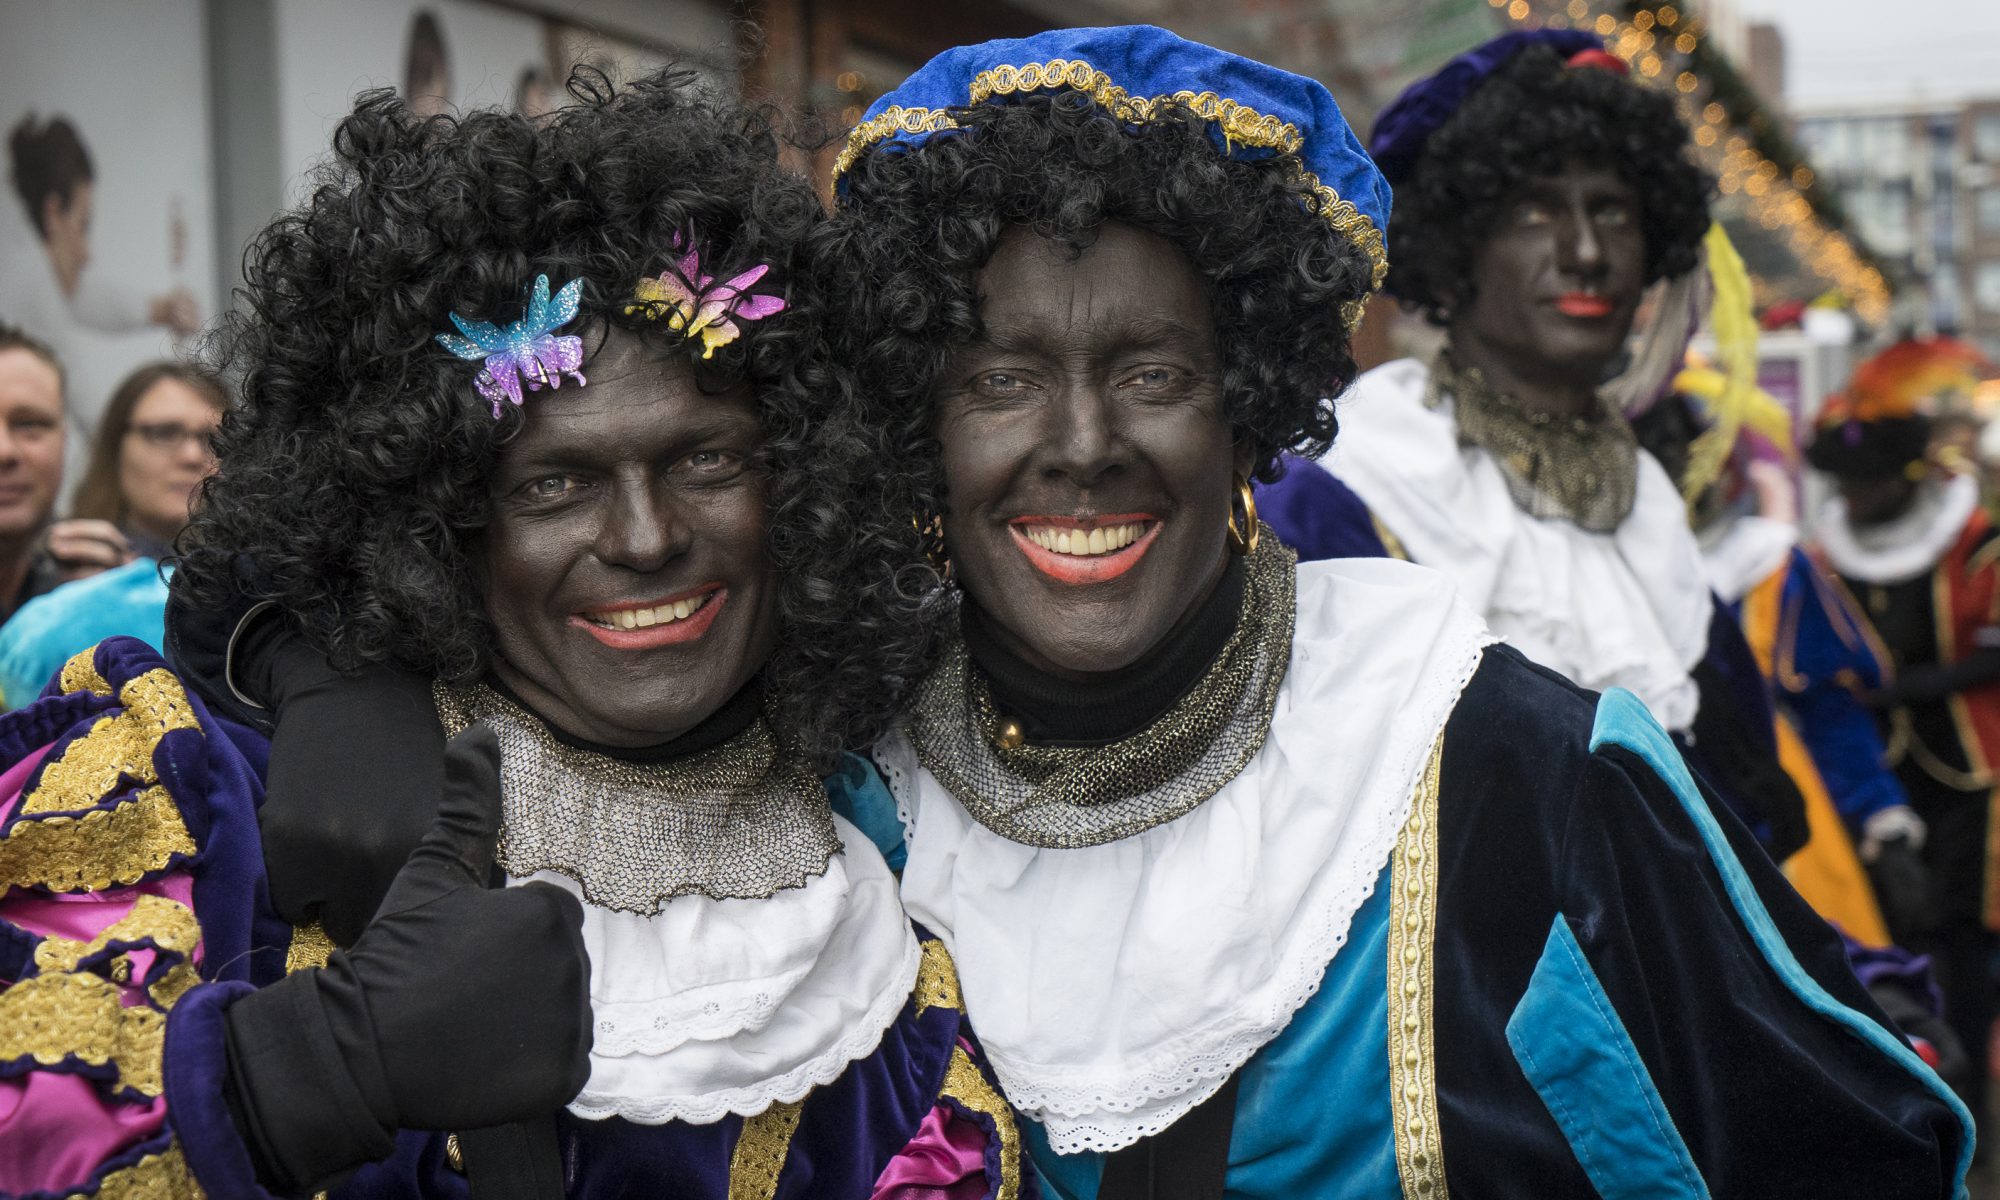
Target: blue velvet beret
[(1403, 127), (1253, 110)]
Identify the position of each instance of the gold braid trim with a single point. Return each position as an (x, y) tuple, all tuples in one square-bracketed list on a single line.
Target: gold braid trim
[(79, 674), (162, 1176), (169, 925), (761, 1150), (1412, 1057), (117, 746), (964, 1083), (310, 947), (110, 847), (937, 979), (51, 1017), (1240, 125)]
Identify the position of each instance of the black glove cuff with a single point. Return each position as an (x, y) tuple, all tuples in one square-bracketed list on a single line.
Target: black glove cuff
[(292, 1086)]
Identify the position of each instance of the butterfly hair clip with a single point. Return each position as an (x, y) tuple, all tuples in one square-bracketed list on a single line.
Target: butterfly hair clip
[(695, 305), (526, 352)]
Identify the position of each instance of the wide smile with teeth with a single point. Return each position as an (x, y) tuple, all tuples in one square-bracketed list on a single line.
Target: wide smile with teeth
[(646, 618), (1085, 543)]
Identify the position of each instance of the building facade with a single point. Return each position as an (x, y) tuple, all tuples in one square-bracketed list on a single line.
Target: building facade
[(1922, 182)]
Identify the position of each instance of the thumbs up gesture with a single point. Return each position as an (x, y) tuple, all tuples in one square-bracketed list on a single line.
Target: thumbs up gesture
[(458, 1007)]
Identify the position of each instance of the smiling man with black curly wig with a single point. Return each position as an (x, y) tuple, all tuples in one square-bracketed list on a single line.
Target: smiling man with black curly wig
[(520, 443), (1266, 878)]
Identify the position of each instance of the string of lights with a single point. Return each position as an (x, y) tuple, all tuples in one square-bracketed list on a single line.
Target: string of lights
[(1666, 47)]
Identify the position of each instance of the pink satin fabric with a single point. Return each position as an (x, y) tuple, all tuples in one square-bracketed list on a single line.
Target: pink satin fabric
[(93, 1131), (945, 1161)]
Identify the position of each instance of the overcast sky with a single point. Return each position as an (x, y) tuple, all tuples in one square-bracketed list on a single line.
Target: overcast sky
[(1841, 51)]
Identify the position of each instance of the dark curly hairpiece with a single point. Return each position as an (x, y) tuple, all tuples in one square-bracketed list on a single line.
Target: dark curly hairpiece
[(1530, 118), (354, 470), (914, 228)]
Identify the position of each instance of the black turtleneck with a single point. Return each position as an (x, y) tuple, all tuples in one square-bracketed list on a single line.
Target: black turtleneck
[(1115, 705), (735, 715)]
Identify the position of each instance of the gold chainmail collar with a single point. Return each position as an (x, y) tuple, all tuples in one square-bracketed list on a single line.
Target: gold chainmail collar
[(1067, 797), (1579, 469), (741, 820)]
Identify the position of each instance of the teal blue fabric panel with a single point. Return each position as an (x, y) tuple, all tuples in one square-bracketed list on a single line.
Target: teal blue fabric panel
[(859, 794), (1312, 1106), (1622, 720), (46, 631), (1575, 1051), (1063, 1176)]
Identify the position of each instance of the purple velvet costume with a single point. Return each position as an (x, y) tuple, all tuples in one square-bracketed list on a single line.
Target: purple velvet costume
[(136, 911)]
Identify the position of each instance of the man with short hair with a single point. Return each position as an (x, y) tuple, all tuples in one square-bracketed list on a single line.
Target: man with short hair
[(31, 464)]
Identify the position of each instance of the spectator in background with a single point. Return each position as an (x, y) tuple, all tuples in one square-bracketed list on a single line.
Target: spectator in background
[(152, 451), (31, 456)]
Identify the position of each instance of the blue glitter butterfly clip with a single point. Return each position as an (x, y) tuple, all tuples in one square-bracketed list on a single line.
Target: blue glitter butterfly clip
[(526, 352)]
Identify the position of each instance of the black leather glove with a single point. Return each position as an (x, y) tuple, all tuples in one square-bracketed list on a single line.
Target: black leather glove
[(356, 764), (458, 1007)]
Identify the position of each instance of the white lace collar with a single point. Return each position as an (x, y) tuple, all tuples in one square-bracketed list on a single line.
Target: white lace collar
[(1745, 552), (1117, 986), (1899, 550), (1629, 608), (713, 1007)]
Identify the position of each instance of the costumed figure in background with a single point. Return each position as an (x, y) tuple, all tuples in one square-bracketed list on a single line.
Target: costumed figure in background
[(1922, 558), (520, 444), (1539, 194), (1265, 877), (1717, 436)]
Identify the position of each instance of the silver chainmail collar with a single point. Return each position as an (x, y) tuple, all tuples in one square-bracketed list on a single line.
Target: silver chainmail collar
[(1579, 469), (742, 820), (1068, 797)]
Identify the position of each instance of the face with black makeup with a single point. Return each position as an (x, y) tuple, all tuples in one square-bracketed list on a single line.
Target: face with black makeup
[(1876, 499), (1088, 459), (1556, 284), (624, 569)]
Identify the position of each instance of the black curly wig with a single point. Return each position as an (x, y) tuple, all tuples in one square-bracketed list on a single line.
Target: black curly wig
[(354, 471), (914, 227), (1531, 118)]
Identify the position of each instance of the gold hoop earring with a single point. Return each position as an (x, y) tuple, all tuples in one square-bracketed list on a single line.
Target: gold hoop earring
[(1243, 538)]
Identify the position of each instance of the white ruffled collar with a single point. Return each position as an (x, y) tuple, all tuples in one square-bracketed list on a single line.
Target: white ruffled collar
[(1629, 608), (1899, 550), (1115, 987), (713, 1007), (1745, 552)]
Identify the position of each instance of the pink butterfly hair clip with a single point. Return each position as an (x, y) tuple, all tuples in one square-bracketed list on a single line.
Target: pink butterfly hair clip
[(694, 304), (528, 351)]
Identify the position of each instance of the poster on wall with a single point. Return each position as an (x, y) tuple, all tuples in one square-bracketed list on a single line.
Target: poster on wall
[(438, 55), (106, 219)]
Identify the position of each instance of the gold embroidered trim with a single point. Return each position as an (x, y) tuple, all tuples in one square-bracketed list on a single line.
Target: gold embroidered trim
[(50, 1017), (1412, 1060), (964, 1083), (79, 674), (109, 847), (937, 979), (117, 746), (760, 1152), (162, 1176), (1240, 124), (167, 924), (310, 947)]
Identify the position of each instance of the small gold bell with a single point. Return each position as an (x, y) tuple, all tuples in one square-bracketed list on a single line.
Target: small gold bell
[(1010, 736)]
